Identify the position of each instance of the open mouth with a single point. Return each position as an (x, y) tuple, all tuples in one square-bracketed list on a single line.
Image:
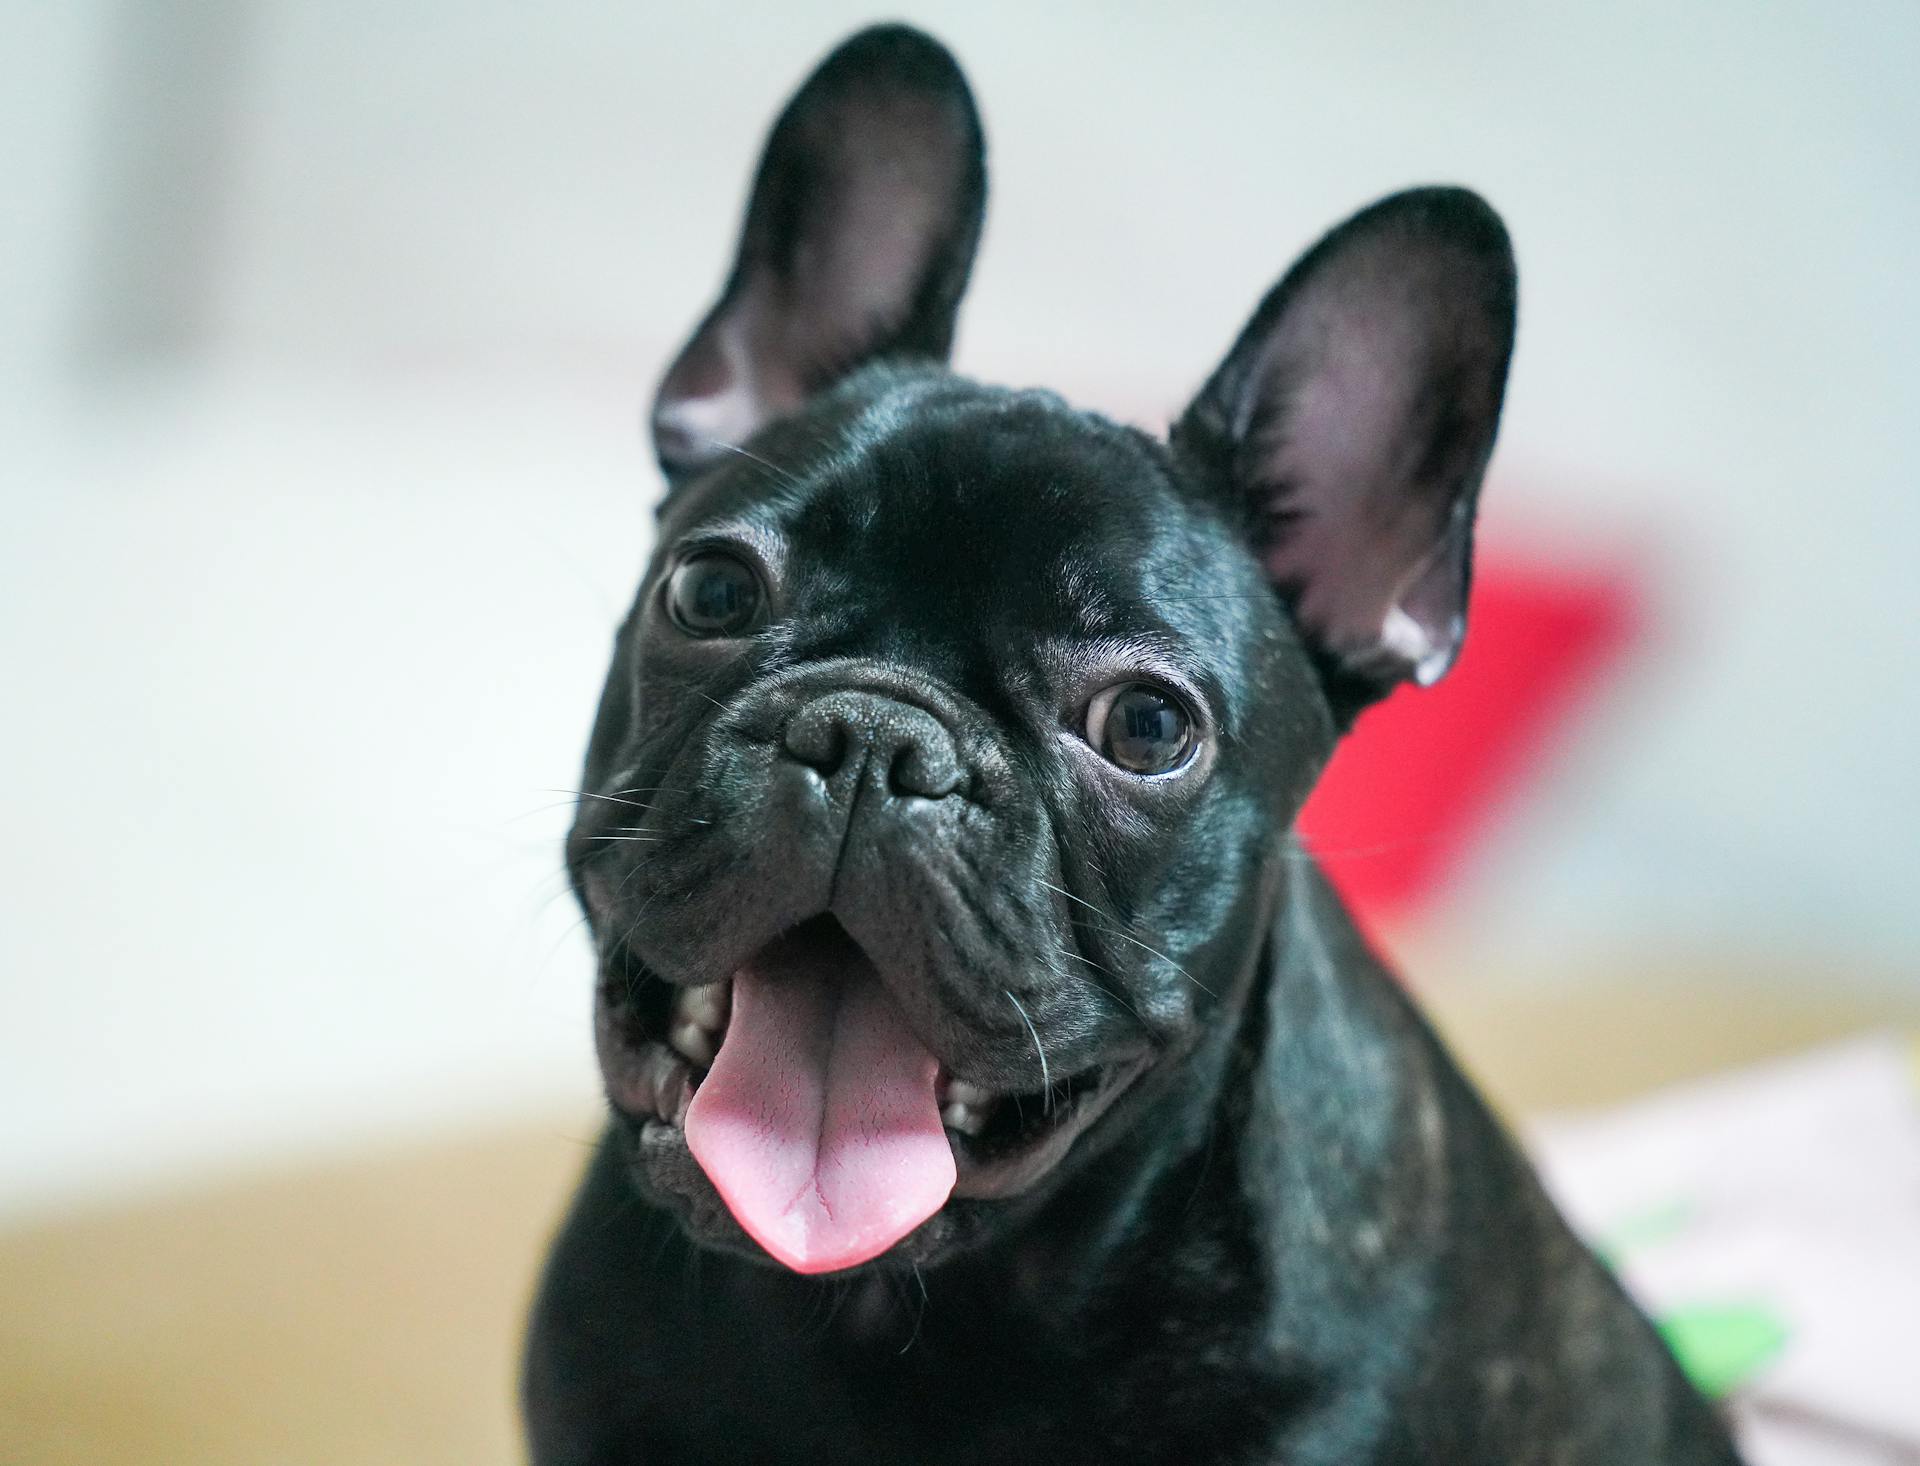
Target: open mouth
[(828, 1128)]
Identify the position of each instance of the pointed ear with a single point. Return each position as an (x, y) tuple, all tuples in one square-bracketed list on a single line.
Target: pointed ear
[(1351, 424), (858, 240)]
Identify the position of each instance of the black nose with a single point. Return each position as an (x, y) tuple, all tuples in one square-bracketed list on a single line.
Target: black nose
[(897, 746)]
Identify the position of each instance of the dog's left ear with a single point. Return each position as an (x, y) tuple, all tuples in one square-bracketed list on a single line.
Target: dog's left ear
[(1351, 424), (859, 237)]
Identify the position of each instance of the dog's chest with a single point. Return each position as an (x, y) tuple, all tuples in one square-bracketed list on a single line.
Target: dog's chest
[(893, 1375)]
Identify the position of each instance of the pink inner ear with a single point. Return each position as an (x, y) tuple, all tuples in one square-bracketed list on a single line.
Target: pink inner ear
[(860, 278), (708, 397), (1373, 573), (858, 239), (1367, 590), (1377, 485)]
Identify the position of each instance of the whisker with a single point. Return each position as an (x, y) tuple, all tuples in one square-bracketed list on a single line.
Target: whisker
[(655, 830), (1155, 951), (541, 808), (1108, 986), (1062, 890), (920, 1317), (1114, 931), (1076, 957), (786, 479), (621, 889), (1046, 1075), (1220, 596), (611, 799)]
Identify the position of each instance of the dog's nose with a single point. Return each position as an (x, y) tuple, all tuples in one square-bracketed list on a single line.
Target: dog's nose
[(905, 749)]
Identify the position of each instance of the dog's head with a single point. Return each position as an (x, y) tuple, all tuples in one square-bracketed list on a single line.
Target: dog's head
[(938, 794)]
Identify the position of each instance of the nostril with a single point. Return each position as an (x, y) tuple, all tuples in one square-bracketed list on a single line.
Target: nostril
[(818, 739), (923, 773)]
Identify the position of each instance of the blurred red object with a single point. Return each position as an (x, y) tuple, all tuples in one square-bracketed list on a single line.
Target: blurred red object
[(1429, 771)]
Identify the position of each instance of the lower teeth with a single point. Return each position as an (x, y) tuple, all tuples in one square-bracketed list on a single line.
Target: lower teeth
[(657, 1082)]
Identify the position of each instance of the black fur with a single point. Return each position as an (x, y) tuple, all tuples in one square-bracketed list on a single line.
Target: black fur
[(1295, 1235)]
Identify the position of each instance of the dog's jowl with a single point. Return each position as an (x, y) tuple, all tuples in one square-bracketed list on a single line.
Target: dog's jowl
[(993, 1077)]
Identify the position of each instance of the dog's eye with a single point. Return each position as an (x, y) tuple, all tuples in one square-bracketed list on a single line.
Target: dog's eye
[(714, 594), (1141, 728)]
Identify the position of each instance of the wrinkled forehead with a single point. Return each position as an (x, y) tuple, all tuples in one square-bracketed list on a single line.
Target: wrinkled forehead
[(1002, 515)]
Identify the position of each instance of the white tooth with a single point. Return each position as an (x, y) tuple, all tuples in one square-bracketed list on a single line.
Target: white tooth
[(694, 1041), (706, 1006), (672, 1093), (960, 1092), (660, 1072), (964, 1118)]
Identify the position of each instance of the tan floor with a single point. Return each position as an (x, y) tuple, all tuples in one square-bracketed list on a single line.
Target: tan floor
[(367, 1314)]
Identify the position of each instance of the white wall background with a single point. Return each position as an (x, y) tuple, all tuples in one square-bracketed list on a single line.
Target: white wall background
[(325, 332)]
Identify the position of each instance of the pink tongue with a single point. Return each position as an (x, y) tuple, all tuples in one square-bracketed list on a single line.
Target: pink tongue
[(817, 1122)]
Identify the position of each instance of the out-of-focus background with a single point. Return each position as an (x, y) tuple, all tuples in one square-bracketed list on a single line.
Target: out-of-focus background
[(324, 331)]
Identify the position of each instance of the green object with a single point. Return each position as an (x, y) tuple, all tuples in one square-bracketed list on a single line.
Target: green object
[(1644, 1230), (1721, 1345)]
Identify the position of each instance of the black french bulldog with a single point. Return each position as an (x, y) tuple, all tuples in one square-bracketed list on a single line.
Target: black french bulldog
[(952, 940)]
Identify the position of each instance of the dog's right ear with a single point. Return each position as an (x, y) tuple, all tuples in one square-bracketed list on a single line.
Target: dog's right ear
[(858, 240)]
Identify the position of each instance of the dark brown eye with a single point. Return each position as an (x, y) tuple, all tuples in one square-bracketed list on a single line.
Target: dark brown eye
[(1140, 728), (714, 594)]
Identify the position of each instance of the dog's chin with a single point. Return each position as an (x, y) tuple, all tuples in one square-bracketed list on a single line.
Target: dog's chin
[(656, 1040)]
